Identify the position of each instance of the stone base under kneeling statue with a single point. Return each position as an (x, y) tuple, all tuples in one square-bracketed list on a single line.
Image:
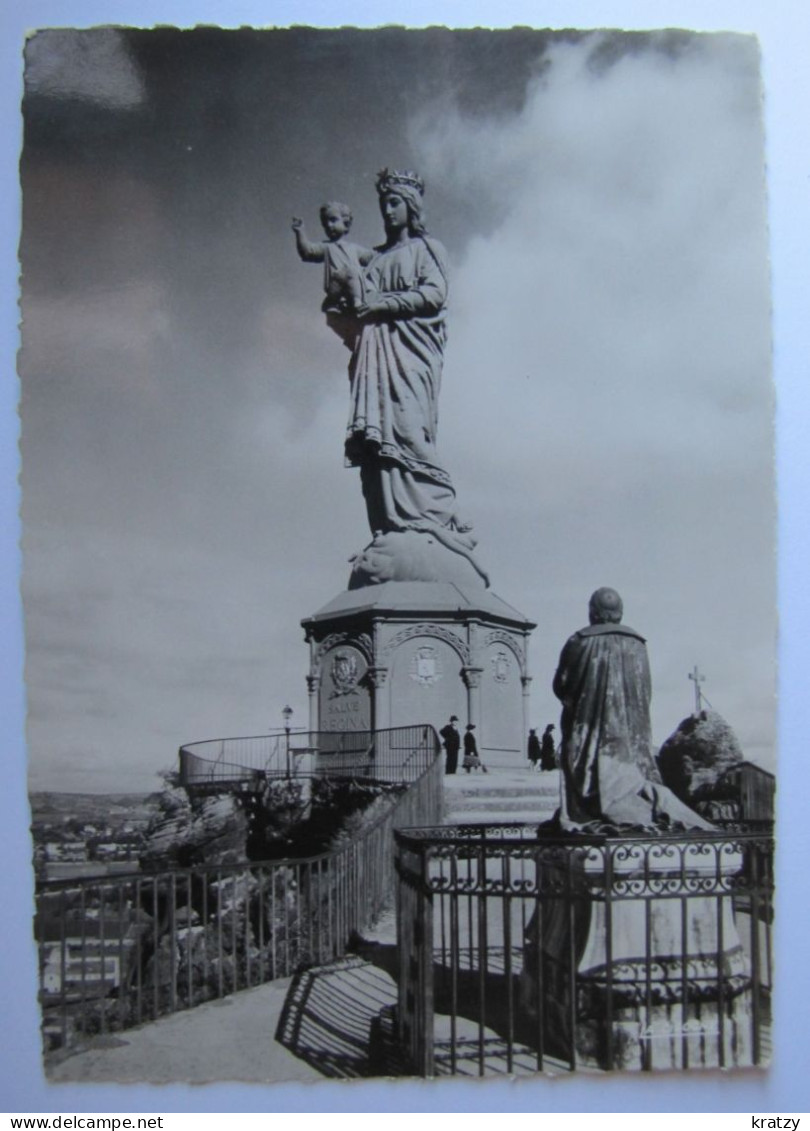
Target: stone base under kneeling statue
[(661, 980)]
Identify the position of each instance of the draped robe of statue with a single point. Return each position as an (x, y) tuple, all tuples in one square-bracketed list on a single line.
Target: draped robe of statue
[(603, 682), (395, 374)]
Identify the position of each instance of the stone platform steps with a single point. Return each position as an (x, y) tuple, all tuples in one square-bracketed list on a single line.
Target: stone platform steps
[(500, 796)]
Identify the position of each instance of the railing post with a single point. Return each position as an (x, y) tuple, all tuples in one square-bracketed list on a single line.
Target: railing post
[(607, 864), (423, 945), (102, 959), (63, 968), (756, 999)]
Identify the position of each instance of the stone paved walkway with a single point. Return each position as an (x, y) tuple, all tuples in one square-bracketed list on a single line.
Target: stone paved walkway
[(228, 1040)]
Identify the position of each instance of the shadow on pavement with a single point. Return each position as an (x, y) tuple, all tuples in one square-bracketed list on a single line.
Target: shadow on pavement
[(328, 1013)]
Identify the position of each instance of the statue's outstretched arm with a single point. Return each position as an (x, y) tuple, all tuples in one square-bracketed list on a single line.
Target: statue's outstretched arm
[(308, 251)]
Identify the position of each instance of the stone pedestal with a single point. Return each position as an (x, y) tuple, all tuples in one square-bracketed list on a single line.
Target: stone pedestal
[(660, 978), (406, 652)]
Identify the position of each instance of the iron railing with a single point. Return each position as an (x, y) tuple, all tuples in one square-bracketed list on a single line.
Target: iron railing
[(521, 953), (218, 762), (382, 755), (119, 951)]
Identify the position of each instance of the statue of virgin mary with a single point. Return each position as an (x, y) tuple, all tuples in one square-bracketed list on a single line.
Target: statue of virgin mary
[(395, 373)]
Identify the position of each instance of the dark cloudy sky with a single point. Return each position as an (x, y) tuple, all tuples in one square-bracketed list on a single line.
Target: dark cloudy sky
[(606, 408)]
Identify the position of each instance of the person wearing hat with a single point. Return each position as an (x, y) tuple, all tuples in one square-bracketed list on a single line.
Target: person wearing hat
[(533, 748), (452, 742), (548, 757), (471, 759)]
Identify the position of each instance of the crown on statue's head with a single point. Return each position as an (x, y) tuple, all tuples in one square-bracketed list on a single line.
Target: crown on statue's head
[(389, 180)]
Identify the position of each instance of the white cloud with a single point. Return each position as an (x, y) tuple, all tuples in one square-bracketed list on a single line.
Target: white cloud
[(607, 398)]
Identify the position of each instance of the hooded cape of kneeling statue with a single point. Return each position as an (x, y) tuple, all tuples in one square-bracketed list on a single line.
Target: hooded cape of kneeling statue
[(603, 681)]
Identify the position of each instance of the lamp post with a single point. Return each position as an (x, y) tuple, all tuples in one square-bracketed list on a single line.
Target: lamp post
[(288, 714)]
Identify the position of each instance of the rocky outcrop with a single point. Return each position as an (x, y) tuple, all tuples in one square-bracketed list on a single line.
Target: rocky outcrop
[(694, 759), (244, 927), (216, 930), (212, 830), (282, 821)]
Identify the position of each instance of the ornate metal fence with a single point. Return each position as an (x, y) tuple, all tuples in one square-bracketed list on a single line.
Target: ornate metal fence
[(520, 953), (118, 951)]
